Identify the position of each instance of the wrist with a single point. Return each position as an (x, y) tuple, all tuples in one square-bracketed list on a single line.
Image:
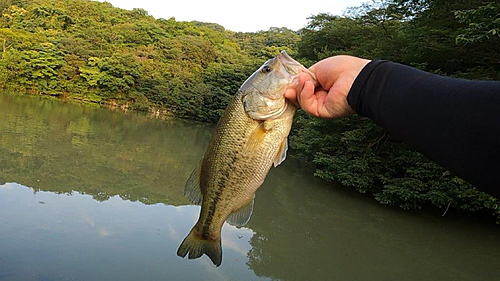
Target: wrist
[(354, 96)]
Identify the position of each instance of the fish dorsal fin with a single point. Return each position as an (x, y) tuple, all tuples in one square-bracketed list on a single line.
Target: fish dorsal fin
[(257, 136), (281, 155), (192, 188), (241, 216)]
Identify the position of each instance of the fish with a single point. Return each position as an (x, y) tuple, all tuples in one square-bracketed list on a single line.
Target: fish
[(250, 137)]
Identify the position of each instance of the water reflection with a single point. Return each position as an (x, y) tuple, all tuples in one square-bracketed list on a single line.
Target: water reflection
[(304, 228), (64, 147), (90, 194), (48, 236)]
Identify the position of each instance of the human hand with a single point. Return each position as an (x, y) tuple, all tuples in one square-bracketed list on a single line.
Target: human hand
[(335, 76)]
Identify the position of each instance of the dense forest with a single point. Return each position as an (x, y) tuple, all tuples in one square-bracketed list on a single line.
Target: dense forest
[(95, 53)]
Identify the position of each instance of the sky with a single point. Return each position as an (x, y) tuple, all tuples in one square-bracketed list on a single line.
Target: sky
[(246, 16)]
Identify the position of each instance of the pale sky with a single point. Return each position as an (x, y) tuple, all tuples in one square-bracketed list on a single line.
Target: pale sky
[(250, 15)]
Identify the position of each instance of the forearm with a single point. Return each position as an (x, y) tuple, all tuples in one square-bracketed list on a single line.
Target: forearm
[(454, 122)]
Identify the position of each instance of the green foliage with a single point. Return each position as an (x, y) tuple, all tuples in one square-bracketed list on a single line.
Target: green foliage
[(266, 44), (357, 153), (483, 23), (92, 52), (35, 69), (456, 38)]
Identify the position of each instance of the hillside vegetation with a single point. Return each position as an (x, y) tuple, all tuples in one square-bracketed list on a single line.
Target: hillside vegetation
[(96, 53)]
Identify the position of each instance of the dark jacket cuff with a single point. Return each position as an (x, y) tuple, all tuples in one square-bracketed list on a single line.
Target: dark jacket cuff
[(358, 88)]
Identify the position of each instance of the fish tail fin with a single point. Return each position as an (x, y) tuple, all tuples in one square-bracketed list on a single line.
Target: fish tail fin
[(197, 246)]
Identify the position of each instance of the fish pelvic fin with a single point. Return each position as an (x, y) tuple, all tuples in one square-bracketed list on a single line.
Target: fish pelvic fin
[(196, 246), (241, 216), (192, 189)]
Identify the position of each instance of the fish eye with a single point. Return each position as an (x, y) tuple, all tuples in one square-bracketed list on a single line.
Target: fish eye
[(266, 69)]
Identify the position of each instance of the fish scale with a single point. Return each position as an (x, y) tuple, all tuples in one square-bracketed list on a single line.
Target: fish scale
[(243, 148), (229, 177)]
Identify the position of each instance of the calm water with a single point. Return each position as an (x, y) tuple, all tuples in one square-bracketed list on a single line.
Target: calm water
[(91, 194)]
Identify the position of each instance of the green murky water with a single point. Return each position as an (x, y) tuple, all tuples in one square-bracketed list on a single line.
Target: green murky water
[(91, 194)]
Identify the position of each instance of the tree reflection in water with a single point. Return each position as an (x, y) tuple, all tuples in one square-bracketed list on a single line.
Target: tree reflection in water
[(302, 228)]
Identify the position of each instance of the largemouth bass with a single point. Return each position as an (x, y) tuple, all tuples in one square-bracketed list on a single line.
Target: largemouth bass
[(249, 138)]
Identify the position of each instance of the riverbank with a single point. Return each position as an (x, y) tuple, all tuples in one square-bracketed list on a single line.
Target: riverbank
[(112, 104), (301, 151)]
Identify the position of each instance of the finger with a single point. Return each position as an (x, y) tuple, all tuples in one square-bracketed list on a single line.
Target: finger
[(291, 95), (313, 76), (313, 67), (326, 72), (307, 99), (303, 77), (300, 87), (321, 97)]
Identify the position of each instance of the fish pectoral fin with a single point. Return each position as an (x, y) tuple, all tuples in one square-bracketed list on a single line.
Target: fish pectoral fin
[(241, 216), (281, 155), (257, 136), (192, 189)]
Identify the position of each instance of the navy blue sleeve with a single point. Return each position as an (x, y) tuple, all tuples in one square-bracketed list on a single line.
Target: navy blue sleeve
[(454, 122)]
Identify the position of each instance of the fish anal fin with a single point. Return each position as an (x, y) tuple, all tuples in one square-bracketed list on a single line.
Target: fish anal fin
[(192, 189), (281, 155), (241, 216), (196, 246)]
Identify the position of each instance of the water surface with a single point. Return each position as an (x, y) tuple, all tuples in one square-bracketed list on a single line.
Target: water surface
[(92, 194)]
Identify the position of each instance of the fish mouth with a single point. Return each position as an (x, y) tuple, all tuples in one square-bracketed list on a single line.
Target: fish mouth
[(292, 66), (284, 56)]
